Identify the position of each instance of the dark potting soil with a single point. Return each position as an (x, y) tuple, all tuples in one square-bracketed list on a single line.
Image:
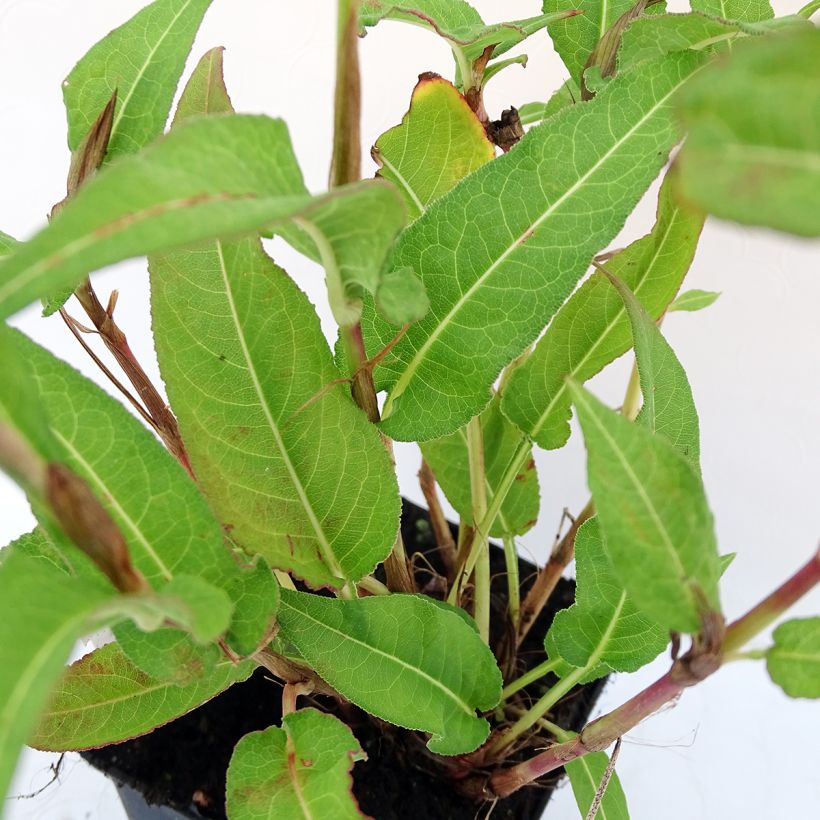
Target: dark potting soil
[(182, 765)]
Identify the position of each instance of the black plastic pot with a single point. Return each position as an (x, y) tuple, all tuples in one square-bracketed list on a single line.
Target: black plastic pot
[(177, 772)]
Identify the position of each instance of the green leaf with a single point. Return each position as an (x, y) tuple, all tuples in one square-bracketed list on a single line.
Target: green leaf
[(748, 157), (401, 297), (37, 546), (592, 329), (104, 698), (668, 407), (301, 770), (459, 24), (254, 394), (449, 460), (794, 660), (752, 11), (7, 244), (167, 524), (42, 613), (182, 189), (541, 211), (695, 299), (255, 595), (403, 658), (652, 36), (439, 142), (657, 527), (603, 626), (585, 775), (205, 91), (142, 60), (576, 37)]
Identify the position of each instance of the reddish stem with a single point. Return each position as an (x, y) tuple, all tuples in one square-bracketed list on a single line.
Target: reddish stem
[(687, 671)]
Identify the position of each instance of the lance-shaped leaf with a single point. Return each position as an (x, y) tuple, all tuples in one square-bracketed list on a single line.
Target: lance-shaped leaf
[(459, 24), (104, 698), (748, 157), (142, 61), (448, 457), (752, 11), (656, 524), (38, 546), (603, 628), (592, 329), (212, 177), (167, 524), (668, 407), (585, 775), (301, 770), (505, 247), (404, 658), (439, 142), (576, 37), (253, 390), (693, 300), (794, 660)]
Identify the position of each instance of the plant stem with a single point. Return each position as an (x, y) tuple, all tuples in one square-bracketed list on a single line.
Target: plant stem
[(513, 581), (373, 586), (685, 672), (547, 578), (346, 167), (632, 400), (536, 673), (346, 162), (441, 529), (478, 493), (538, 710)]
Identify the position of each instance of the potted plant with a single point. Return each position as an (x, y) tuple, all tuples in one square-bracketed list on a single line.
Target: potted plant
[(252, 532)]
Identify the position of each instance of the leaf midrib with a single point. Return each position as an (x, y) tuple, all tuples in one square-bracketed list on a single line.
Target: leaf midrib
[(650, 507), (144, 68), (138, 534), (414, 364), (324, 543), (398, 661)]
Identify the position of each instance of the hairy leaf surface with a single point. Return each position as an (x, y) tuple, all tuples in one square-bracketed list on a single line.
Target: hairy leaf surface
[(299, 771), (289, 463), (448, 457), (794, 660), (592, 329), (406, 659), (603, 626), (142, 61), (505, 247), (748, 157), (104, 698), (656, 524), (439, 142)]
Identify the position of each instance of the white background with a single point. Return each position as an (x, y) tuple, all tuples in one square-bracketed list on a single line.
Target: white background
[(734, 747)]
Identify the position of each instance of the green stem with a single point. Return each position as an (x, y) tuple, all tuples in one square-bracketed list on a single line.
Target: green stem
[(632, 400), (537, 711), (346, 163), (480, 546), (513, 588), (536, 673)]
